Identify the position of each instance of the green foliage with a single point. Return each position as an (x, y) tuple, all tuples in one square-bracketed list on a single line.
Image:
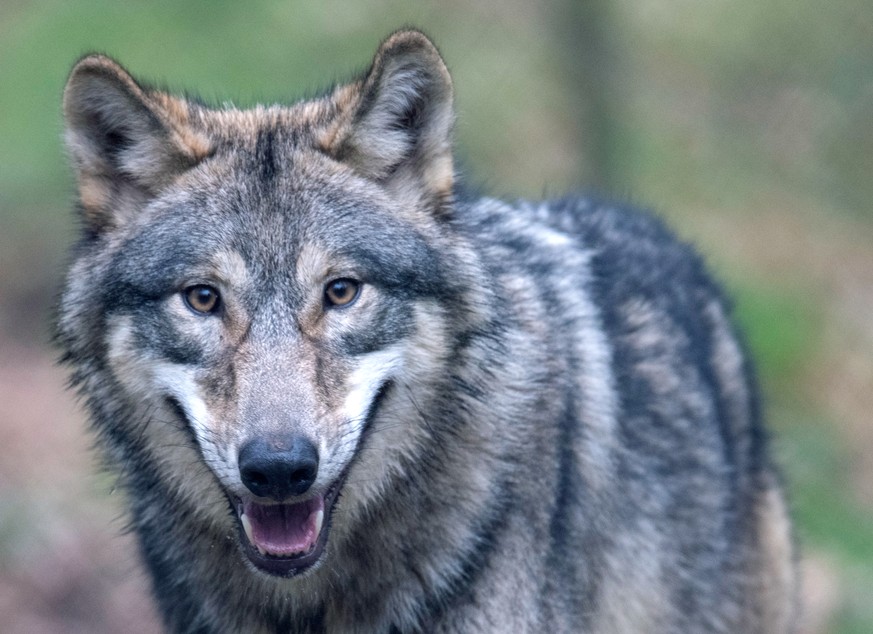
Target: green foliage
[(823, 489), (780, 327), (826, 509)]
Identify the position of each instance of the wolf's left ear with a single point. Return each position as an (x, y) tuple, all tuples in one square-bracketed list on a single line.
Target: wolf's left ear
[(398, 124), (126, 142)]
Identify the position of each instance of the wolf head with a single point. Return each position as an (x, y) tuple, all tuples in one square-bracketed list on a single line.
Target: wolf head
[(256, 290)]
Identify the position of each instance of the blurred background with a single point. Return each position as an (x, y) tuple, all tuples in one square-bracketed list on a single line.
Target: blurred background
[(747, 123)]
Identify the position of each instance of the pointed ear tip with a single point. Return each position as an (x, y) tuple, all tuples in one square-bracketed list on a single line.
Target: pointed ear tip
[(96, 64), (96, 67), (409, 36), (413, 47), (92, 72), (409, 40)]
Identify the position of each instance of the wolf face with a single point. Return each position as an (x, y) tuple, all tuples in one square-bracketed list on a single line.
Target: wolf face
[(260, 278)]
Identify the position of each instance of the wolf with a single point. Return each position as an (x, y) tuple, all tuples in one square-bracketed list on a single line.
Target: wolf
[(344, 395)]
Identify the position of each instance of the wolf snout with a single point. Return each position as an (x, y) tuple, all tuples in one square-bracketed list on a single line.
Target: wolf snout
[(278, 468)]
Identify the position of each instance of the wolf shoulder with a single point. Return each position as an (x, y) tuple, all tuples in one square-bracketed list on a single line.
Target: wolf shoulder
[(623, 255), (617, 274)]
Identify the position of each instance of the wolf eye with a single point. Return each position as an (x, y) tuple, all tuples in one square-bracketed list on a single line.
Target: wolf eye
[(341, 292), (202, 299)]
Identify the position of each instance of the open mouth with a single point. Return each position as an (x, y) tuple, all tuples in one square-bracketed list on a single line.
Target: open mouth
[(286, 539)]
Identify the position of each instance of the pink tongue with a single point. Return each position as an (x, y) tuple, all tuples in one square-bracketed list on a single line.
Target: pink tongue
[(284, 529)]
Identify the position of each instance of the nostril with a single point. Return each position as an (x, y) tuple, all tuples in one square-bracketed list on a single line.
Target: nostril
[(278, 468), (253, 477), (303, 475)]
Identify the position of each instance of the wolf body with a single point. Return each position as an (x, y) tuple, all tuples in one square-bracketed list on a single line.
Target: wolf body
[(343, 397)]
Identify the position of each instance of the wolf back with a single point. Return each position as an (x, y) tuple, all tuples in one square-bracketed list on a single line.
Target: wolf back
[(343, 396)]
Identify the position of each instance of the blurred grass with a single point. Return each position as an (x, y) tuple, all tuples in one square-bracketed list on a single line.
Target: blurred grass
[(780, 327), (750, 124)]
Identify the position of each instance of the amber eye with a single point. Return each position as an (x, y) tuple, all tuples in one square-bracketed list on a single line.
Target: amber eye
[(202, 298), (341, 292)]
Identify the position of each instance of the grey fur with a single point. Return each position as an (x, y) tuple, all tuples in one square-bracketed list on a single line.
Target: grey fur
[(536, 417)]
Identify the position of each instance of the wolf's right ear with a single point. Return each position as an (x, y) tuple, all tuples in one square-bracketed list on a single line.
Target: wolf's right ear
[(126, 143)]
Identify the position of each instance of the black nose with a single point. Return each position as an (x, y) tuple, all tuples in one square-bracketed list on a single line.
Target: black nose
[(278, 468)]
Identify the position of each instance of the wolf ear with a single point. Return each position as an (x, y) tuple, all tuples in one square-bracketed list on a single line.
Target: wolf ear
[(397, 130), (126, 143)]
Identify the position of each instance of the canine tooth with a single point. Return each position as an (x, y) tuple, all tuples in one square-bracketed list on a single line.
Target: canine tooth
[(261, 550), (247, 526), (319, 521)]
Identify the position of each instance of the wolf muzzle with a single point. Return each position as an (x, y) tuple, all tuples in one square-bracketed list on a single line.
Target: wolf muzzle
[(281, 533)]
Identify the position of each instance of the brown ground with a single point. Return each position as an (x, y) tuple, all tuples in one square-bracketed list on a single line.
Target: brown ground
[(66, 567)]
